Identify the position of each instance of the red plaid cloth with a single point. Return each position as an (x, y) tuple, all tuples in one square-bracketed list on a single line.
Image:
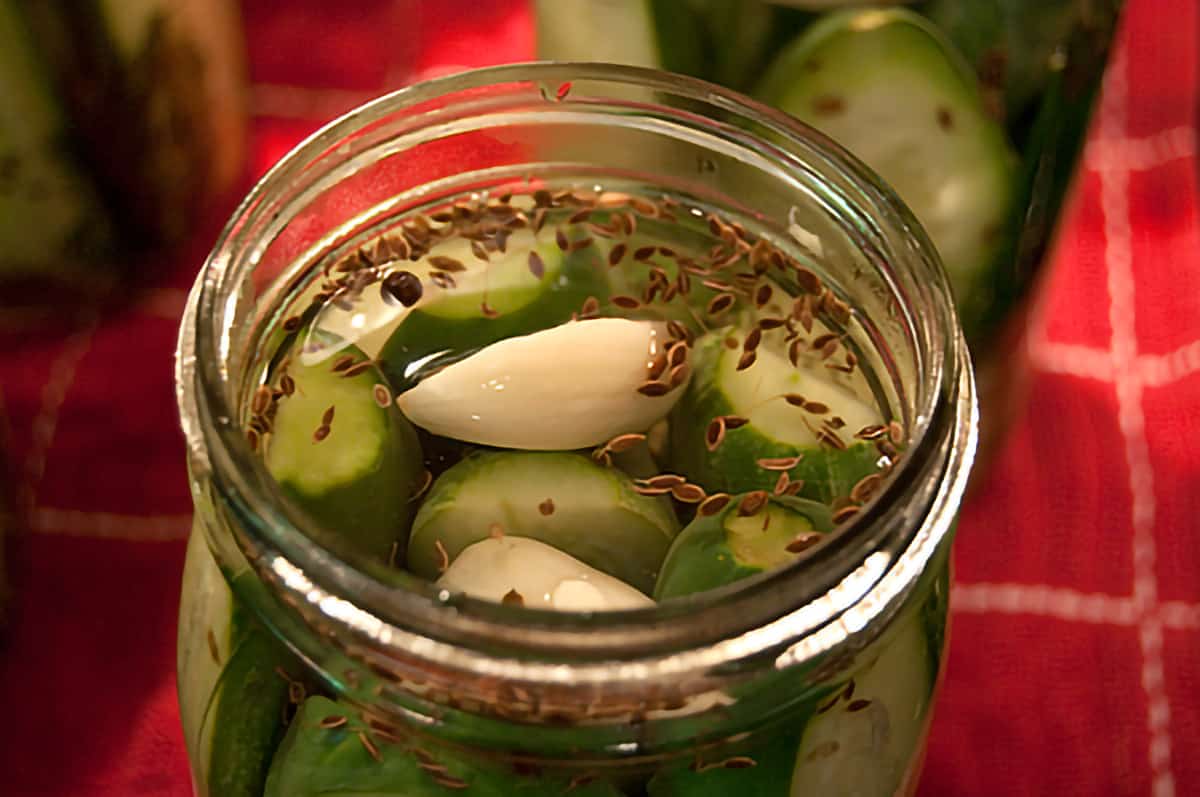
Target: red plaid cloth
[(1075, 652)]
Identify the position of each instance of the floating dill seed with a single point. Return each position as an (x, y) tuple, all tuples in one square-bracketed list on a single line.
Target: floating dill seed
[(450, 782), (654, 389), (714, 504), (291, 323), (356, 370), (738, 762), (542, 198), (678, 375), (369, 746), (561, 240), (836, 422), (332, 721), (382, 395), (443, 280), (802, 542), (677, 353), (296, 692), (767, 324), (829, 349), (858, 705), (546, 507), (644, 206), (287, 385), (488, 311), (625, 302), (720, 304), (845, 513), (582, 243), (734, 421), (872, 432), (617, 254), (716, 285), (539, 220), (342, 363), (665, 480), (794, 349), (815, 407), (762, 295), (644, 253), (831, 439), (714, 435), (590, 307), (253, 439), (403, 286), (829, 704), (629, 223), (213, 651), (320, 434), (448, 264), (426, 480), (746, 360), (782, 483), (443, 216), (513, 598), (753, 338), (443, 556), (657, 366), (478, 251), (779, 463), (261, 400), (536, 267), (752, 503), (624, 442), (580, 216), (896, 433), (327, 416), (848, 692), (645, 489), (670, 292), (688, 493), (828, 105)]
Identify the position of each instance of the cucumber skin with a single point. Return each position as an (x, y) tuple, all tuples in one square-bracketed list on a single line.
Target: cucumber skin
[(701, 557), (314, 761), (373, 511), (422, 334), (827, 473)]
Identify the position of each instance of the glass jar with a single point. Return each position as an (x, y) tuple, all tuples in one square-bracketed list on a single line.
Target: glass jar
[(818, 676)]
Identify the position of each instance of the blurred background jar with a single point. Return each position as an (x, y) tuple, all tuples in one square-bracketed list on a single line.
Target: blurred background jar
[(973, 111), (121, 123)]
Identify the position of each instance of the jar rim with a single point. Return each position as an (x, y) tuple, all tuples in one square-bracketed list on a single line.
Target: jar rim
[(859, 582)]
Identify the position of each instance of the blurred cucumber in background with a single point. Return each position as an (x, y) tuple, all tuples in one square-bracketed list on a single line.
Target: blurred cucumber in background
[(974, 111), (121, 121)]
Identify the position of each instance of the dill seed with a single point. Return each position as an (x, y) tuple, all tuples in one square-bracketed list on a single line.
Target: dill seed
[(617, 254), (781, 484), (738, 762), (320, 434), (213, 651), (443, 556), (580, 216), (848, 692), (253, 439), (582, 243), (644, 489), (714, 435), (872, 432), (488, 311), (356, 370), (332, 721), (560, 239), (828, 705), (896, 433), (644, 206), (443, 280), (261, 400), (845, 513), (720, 304), (644, 253), (657, 366), (296, 692), (666, 480), (287, 385), (625, 302), (794, 349), (291, 323), (403, 287), (450, 782), (688, 493), (448, 264), (654, 389), (513, 598), (779, 463), (536, 267), (382, 396), (828, 105), (683, 282), (539, 220), (342, 363), (795, 487), (546, 507), (752, 339), (677, 353), (746, 360), (767, 324), (369, 746), (735, 421), (858, 705), (815, 407), (423, 485), (591, 306), (802, 542), (752, 503), (670, 291), (629, 223), (714, 504), (496, 531), (679, 374), (831, 439), (762, 296), (624, 442), (836, 422)]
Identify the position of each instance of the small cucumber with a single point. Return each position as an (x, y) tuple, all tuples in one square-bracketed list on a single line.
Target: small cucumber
[(335, 762), (565, 500), (359, 479), (660, 34), (231, 697), (518, 301), (733, 544), (891, 88), (774, 429)]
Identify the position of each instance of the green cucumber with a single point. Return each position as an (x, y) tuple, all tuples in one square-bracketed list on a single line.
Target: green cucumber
[(891, 88), (453, 320), (660, 34), (725, 547), (358, 481), (334, 762), (869, 743), (565, 500), (50, 213), (231, 698), (775, 429)]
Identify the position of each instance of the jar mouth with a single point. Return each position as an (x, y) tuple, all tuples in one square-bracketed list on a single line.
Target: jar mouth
[(786, 615)]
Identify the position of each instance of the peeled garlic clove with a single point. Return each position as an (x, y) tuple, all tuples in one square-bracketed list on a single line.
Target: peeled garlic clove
[(519, 569), (571, 386)]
